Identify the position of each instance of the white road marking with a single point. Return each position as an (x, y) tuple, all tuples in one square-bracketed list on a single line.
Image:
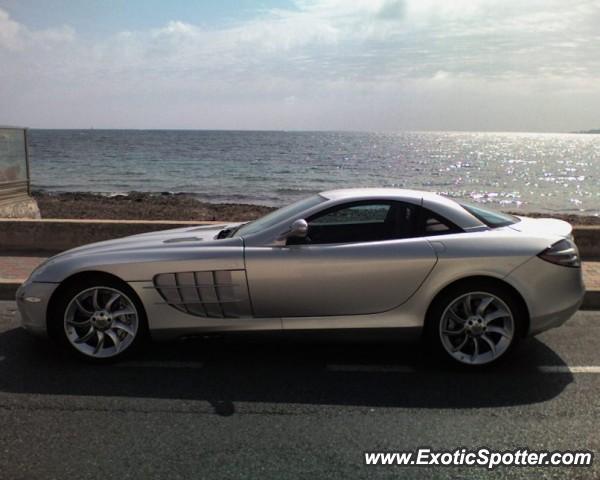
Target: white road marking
[(568, 369), (407, 369), (371, 368), (159, 364)]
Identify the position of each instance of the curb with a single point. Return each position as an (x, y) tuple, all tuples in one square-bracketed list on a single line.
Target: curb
[(8, 290), (591, 300)]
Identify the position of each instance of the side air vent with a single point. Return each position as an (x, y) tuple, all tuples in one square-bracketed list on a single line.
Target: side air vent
[(220, 293)]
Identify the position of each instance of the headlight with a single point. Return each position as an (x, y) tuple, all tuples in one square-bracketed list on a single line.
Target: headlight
[(563, 252)]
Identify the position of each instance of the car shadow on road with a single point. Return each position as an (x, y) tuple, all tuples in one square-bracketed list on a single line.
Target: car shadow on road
[(283, 371)]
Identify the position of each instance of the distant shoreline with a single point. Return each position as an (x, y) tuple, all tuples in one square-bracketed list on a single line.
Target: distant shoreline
[(595, 131), (183, 206), (250, 130)]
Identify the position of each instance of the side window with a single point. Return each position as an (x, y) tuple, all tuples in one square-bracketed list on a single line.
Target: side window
[(363, 222), (434, 224), (358, 214)]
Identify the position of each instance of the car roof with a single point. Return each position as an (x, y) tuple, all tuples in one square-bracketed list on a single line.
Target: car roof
[(356, 193), (439, 204)]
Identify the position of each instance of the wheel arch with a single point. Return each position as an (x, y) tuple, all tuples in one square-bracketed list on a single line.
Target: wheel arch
[(78, 277), (490, 280)]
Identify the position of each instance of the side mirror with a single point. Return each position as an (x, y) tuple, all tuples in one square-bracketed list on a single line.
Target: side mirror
[(299, 229)]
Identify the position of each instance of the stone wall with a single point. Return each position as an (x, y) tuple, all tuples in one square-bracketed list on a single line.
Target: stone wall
[(26, 207), (58, 235)]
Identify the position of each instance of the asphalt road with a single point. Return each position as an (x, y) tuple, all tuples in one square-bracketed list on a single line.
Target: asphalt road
[(244, 408)]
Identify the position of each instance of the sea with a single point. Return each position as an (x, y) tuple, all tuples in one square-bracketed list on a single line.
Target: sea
[(511, 171)]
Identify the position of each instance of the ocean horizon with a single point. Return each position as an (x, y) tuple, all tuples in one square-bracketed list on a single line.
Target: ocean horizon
[(518, 171)]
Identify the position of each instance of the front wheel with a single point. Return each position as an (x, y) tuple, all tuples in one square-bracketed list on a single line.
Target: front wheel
[(475, 325), (98, 320)]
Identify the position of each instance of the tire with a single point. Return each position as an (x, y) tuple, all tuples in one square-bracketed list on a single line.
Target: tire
[(475, 324), (98, 319)]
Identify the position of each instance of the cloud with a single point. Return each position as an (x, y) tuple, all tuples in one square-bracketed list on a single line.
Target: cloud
[(366, 64), (9, 31), (387, 37), (16, 37)]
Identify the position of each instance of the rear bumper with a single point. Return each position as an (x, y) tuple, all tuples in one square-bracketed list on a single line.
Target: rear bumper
[(552, 293), (552, 320), (32, 302)]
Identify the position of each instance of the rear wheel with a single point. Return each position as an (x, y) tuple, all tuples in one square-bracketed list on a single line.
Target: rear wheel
[(475, 324), (98, 319)]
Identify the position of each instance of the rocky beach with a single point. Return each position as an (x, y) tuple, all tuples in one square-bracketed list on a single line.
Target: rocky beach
[(182, 206), (142, 206)]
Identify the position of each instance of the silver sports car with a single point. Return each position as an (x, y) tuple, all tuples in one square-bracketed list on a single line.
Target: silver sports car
[(471, 280)]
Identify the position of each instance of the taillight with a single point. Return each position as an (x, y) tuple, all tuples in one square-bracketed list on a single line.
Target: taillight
[(563, 252)]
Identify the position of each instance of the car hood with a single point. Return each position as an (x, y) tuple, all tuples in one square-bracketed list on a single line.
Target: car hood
[(178, 237), (543, 226), (120, 255)]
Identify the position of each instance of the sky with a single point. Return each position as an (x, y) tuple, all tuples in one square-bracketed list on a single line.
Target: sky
[(375, 65)]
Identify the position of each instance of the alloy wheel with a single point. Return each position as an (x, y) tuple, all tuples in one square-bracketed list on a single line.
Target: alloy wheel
[(101, 322), (477, 328)]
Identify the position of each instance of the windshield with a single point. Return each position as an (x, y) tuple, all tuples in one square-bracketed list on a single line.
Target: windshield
[(277, 216), (490, 217)]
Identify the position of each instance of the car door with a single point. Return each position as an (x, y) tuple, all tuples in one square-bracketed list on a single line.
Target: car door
[(359, 258)]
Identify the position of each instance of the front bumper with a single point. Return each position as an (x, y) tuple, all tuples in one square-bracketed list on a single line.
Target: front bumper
[(32, 302)]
